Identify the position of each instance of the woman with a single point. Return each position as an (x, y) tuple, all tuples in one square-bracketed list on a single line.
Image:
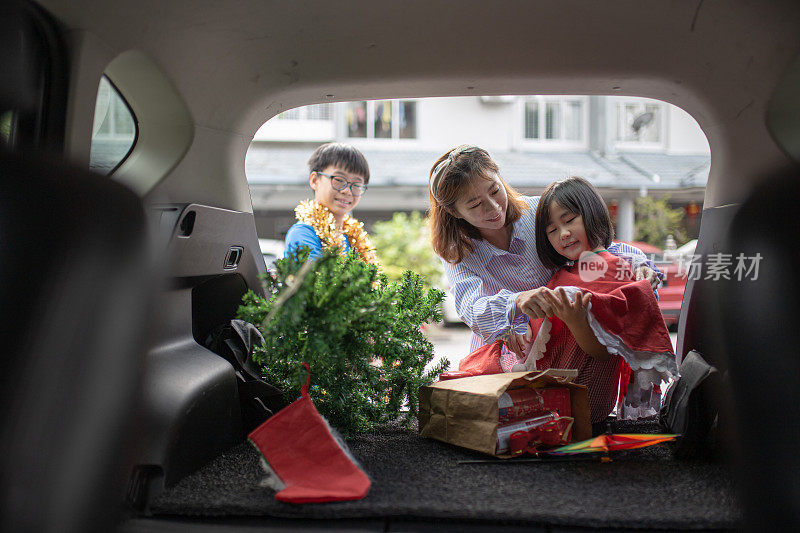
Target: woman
[(484, 232)]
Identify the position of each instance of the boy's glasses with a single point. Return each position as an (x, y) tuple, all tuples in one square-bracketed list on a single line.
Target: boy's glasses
[(340, 184)]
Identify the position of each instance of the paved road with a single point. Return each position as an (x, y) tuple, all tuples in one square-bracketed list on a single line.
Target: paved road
[(453, 343)]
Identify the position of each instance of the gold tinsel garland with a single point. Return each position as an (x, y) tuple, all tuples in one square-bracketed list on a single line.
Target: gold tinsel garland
[(321, 219)]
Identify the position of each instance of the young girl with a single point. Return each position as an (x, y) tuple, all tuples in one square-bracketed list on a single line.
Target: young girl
[(484, 232), (599, 319)]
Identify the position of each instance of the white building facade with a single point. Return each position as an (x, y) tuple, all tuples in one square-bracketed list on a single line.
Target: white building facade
[(626, 146)]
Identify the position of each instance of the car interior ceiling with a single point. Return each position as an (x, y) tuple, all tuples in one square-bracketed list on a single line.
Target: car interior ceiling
[(146, 251)]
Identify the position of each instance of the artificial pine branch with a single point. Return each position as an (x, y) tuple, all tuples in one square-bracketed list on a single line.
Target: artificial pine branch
[(359, 333)]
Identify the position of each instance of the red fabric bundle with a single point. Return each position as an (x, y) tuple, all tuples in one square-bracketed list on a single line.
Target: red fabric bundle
[(624, 309), (484, 360), (623, 314)]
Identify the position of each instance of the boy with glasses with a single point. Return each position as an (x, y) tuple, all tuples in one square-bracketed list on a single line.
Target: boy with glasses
[(339, 174)]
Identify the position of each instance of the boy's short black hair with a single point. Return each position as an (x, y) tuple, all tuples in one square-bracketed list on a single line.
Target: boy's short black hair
[(346, 157), (578, 196)]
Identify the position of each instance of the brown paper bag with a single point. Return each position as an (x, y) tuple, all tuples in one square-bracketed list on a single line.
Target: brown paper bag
[(464, 411)]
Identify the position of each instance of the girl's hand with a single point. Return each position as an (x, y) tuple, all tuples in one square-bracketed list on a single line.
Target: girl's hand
[(571, 312), (645, 272), (533, 304)]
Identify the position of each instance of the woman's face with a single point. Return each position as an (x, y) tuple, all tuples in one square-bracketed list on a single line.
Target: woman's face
[(566, 232), (484, 203)]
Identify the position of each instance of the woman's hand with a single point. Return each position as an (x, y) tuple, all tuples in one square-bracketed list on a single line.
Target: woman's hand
[(570, 312), (520, 344), (645, 272), (533, 304)]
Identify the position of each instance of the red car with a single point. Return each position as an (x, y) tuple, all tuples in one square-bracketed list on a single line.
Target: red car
[(670, 295)]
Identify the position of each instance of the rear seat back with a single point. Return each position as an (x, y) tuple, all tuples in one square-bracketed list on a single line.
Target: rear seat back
[(759, 325), (76, 295)]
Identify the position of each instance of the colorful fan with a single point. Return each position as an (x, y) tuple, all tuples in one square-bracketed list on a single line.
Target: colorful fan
[(610, 442)]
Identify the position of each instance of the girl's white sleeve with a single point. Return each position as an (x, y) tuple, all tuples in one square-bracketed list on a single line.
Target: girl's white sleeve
[(491, 317), (634, 256)]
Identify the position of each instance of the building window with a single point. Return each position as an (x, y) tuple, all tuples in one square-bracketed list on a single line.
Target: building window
[(407, 117), (531, 120), (573, 121), (292, 114), (639, 123), (381, 119), (549, 120), (114, 130), (309, 112), (356, 116)]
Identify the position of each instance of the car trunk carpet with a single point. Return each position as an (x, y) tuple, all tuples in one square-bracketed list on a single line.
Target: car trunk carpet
[(417, 478)]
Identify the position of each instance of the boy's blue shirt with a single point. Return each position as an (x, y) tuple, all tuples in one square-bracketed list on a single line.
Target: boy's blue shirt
[(302, 234)]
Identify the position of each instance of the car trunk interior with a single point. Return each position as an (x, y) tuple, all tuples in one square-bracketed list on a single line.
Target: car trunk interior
[(425, 481), (201, 78)]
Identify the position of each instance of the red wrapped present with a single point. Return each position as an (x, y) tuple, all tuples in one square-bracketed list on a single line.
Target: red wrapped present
[(519, 404), (554, 432)]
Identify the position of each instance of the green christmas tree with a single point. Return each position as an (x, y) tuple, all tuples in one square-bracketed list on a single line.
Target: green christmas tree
[(359, 333)]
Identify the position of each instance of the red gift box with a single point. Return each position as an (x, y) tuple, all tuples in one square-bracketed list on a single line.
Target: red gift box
[(553, 432), (519, 404), (505, 431)]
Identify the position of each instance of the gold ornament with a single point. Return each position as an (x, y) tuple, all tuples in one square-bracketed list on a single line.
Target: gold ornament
[(321, 219)]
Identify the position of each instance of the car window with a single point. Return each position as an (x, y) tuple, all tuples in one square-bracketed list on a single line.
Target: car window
[(114, 130), (5, 127)]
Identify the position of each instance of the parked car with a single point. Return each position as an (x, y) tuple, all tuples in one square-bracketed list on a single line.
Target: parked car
[(111, 284), (676, 265), (272, 250)]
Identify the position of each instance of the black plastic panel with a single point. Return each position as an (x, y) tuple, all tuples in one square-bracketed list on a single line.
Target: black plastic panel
[(694, 330), (190, 411), (215, 302)]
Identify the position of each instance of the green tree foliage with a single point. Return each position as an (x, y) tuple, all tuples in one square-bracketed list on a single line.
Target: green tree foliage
[(655, 219), (403, 243), (359, 333)]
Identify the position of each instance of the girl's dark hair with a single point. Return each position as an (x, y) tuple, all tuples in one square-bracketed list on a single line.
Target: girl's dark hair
[(450, 235), (346, 157), (577, 196)]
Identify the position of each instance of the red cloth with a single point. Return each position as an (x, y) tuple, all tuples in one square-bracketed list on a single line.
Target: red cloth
[(299, 447), (484, 360), (624, 308)]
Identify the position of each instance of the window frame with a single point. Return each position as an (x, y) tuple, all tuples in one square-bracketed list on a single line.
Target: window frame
[(303, 113), (543, 144), (639, 146), (38, 120)]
